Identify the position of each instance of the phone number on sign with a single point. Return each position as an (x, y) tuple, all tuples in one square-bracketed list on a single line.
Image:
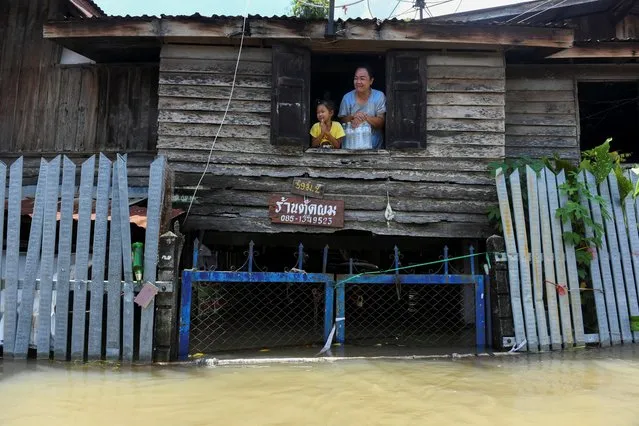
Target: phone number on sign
[(312, 220)]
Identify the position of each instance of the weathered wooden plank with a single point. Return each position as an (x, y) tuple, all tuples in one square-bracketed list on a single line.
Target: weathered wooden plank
[(541, 107), (3, 183), (543, 96), (474, 112), (212, 92), (82, 259), (152, 236), (264, 225), (466, 60), (12, 256), (115, 272), (224, 80), (465, 86), (541, 119), (64, 260), (205, 117), (434, 191), (218, 66), (560, 260), (623, 246), (535, 152), (604, 266), (210, 130), (43, 341), (542, 141), (25, 309), (98, 259), (466, 99), (549, 257), (574, 289), (466, 72), (513, 264), (549, 130), (473, 178), (125, 229), (225, 53), (632, 213), (615, 265), (524, 262), (538, 84), (461, 138), (465, 125), (535, 245), (199, 104)]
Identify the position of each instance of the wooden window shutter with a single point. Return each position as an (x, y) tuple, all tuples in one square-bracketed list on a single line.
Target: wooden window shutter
[(291, 96), (406, 99)]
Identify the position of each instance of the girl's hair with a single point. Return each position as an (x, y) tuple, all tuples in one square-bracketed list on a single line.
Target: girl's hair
[(327, 103), (368, 69)]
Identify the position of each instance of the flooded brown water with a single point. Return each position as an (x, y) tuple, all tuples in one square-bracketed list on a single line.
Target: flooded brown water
[(586, 388)]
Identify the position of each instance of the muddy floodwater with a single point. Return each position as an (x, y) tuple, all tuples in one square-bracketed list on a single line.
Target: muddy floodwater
[(594, 387)]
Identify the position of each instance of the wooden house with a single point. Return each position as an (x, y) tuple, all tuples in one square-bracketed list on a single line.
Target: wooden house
[(462, 91)]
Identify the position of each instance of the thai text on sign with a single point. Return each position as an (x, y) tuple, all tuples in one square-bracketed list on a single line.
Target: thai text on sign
[(306, 212)]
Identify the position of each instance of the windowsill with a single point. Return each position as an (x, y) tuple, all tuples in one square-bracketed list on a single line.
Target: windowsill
[(341, 151)]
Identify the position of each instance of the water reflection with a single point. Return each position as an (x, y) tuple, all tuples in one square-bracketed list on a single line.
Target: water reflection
[(589, 387)]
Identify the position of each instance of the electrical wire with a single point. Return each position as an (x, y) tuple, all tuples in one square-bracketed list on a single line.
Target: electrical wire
[(458, 5), (368, 6), (394, 9), (337, 6), (539, 13), (529, 10), (228, 105)]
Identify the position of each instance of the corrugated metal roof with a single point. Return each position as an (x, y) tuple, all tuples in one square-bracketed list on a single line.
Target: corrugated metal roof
[(196, 17)]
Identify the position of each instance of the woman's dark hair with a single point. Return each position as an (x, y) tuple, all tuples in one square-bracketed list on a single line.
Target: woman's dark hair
[(330, 105), (368, 69)]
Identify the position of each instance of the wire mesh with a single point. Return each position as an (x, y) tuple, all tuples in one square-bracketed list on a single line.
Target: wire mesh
[(426, 316), (236, 316)]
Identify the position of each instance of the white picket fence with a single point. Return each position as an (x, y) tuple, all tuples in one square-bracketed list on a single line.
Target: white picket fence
[(38, 304), (542, 268)]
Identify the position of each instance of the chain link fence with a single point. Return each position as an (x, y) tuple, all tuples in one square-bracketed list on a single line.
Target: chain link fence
[(235, 316), (412, 315)]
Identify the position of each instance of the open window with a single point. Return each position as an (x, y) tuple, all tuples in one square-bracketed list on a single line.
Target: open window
[(301, 79), (610, 110)]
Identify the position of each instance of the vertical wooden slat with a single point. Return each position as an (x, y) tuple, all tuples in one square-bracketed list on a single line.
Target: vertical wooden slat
[(98, 259), (125, 229), (535, 245), (604, 266), (632, 210), (549, 268), (3, 183), (615, 265), (616, 212), (64, 261), (43, 342), (524, 265), (25, 309), (560, 260), (574, 290), (513, 264), (114, 290), (12, 256), (154, 209), (82, 258)]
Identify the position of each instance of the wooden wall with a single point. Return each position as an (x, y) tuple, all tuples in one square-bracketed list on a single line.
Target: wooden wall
[(48, 108), (442, 191), (541, 114)]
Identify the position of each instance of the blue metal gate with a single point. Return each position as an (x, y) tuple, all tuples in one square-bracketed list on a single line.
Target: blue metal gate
[(246, 309)]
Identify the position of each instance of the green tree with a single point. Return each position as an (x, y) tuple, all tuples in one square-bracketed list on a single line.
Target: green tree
[(305, 9)]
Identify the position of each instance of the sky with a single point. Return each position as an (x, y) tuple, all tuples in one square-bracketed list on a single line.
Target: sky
[(382, 9)]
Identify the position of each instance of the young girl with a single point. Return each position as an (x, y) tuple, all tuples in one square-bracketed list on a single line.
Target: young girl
[(327, 133)]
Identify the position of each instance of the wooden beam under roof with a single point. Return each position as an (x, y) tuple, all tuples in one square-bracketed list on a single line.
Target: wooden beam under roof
[(297, 29), (602, 50)]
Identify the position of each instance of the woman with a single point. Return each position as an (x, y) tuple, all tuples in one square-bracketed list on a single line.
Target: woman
[(365, 105)]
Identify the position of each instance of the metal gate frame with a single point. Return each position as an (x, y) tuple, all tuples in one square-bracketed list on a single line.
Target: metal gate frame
[(189, 276), (335, 290)]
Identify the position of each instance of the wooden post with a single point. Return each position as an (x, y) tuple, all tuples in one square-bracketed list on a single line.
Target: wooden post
[(167, 303), (501, 310)]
